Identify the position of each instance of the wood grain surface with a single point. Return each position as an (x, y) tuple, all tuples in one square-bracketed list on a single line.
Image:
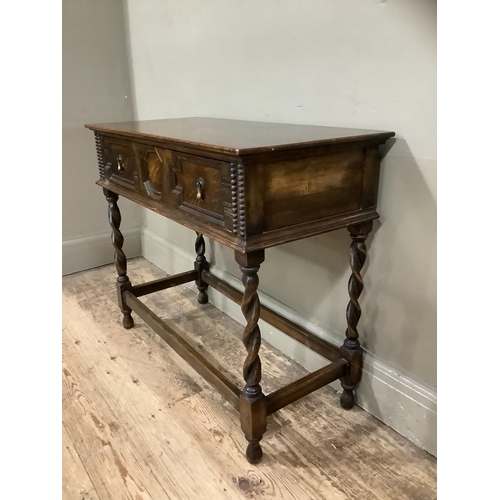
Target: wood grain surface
[(140, 424), (238, 135)]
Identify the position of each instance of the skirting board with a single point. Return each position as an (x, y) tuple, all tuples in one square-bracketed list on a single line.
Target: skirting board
[(400, 402), (97, 250)]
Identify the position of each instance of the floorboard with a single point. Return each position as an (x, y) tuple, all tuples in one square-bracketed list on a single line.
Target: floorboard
[(139, 423)]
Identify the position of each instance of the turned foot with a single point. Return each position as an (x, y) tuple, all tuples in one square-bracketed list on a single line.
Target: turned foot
[(347, 399), (128, 321), (254, 452), (202, 297)]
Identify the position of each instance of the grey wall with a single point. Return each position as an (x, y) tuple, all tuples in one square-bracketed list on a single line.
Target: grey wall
[(362, 63), (96, 88)]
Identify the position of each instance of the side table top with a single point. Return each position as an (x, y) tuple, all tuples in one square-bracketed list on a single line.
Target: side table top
[(238, 136)]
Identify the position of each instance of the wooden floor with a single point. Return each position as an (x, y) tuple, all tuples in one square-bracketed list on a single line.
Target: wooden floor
[(139, 423)]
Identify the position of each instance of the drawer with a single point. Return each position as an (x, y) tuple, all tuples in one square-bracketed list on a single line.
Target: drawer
[(202, 187), (119, 162), (193, 184)]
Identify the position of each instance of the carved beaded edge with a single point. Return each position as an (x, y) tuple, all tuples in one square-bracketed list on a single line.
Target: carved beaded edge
[(100, 161), (238, 199)]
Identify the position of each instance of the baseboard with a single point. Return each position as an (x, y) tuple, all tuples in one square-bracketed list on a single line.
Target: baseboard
[(93, 251), (403, 404)]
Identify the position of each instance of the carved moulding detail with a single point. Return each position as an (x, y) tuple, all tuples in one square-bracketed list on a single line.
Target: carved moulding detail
[(234, 198), (238, 199), (100, 160), (241, 202)]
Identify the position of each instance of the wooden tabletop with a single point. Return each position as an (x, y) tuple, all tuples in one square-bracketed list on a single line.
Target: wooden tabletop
[(237, 136)]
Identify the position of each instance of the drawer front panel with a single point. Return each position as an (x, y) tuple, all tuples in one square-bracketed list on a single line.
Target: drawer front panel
[(195, 185), (154, 167), (119, 162), (201, 186)]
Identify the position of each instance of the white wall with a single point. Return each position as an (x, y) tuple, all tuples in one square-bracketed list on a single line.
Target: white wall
[(96, 88), (357, 63)]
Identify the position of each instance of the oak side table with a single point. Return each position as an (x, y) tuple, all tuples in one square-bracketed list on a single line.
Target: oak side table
[(249, 186)]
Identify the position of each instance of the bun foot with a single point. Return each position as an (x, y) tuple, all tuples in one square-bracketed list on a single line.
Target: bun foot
[(128, 321), (347, 399), (202, 298), (254, 453)]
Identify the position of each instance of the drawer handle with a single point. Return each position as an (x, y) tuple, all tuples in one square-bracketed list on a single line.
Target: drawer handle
[(119, 163), (200, 187)]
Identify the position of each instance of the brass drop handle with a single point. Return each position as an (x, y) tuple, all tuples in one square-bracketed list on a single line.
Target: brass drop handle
[(200, 187), (119, 163)]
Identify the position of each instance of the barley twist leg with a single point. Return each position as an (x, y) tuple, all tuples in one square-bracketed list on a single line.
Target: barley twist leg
[(123, 282), (201, 265), (252, 402), (351, 349)]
